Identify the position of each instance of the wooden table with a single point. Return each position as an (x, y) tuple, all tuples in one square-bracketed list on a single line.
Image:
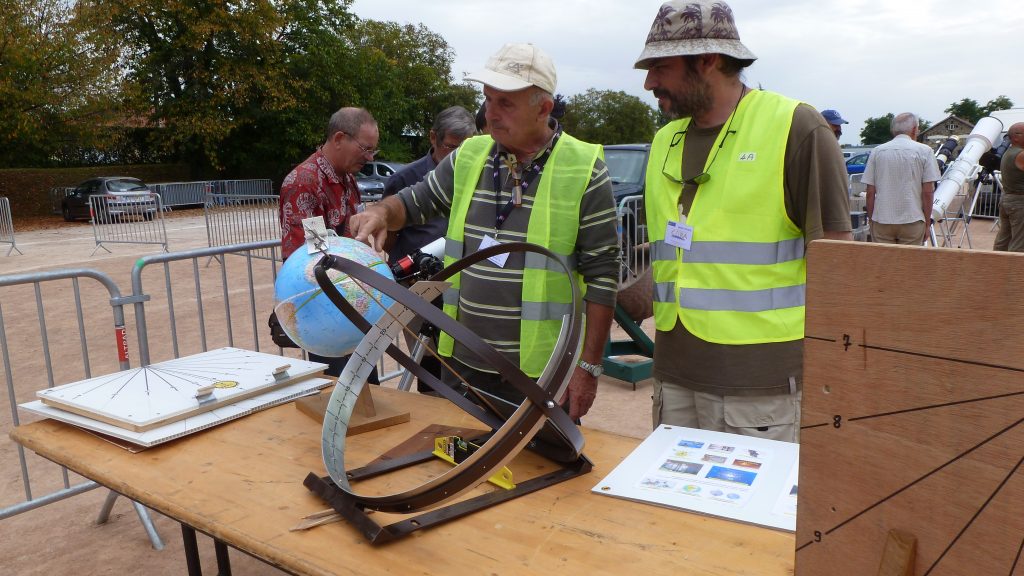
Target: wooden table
[(241, 483)]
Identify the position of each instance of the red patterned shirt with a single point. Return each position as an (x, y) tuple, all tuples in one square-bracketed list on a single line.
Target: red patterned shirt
[(313, 188)]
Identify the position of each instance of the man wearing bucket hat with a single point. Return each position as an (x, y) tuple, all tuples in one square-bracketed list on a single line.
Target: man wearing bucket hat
[(526, 180), (737, 184)]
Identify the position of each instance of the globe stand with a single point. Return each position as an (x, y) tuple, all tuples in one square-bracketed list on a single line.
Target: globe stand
[(510, 432), (357, 513), (368, 414)]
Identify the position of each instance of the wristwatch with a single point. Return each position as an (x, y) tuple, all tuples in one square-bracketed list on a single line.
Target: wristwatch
[(595, 370)]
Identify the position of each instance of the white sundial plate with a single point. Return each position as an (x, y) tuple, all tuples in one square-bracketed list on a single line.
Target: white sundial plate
[(140, 399)]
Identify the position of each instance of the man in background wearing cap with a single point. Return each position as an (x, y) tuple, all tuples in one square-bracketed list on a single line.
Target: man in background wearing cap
[(835, 121), (526, 181), (729, 228)]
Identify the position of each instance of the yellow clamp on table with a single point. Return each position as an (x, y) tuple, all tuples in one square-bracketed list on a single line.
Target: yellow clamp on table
[(454, 450)]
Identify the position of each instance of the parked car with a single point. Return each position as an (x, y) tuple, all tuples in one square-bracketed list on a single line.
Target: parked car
[(856, 163), (372, 176), (127, 197), (627, 168)]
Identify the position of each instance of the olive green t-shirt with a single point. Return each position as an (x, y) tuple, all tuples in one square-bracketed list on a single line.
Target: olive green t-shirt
[(1012, 177), (817, 200)]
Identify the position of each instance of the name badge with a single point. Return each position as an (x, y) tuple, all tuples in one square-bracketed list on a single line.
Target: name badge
[(498, 259), (678, 234)]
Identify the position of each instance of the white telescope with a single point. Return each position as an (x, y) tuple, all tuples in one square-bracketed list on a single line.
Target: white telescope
[(980, 140)]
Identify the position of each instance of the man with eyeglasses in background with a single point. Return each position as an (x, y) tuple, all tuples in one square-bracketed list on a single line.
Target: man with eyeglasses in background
[(324, 185), (737, 184), (451, 127)]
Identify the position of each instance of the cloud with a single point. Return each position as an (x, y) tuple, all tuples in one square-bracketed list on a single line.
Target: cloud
[(862, 58)]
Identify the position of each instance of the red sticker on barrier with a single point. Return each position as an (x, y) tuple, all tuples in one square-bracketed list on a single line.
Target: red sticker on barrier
[(122, 343)]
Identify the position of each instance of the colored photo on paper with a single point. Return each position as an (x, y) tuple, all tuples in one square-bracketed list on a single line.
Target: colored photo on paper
[(681, 467), (690, 444), (746, 464), (720, 448), (714, 458), (657, 483), (732, 475)]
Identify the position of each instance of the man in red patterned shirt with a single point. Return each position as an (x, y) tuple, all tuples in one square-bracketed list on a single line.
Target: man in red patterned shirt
[(323, 184)]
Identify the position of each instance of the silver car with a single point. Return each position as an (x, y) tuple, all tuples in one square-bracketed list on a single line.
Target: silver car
[(128, 197)]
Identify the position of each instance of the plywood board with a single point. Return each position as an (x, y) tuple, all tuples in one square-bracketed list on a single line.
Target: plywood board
[(913, 410), (141, 399)]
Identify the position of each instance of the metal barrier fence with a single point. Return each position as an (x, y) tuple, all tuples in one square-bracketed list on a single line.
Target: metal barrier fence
[(176, 194), (7, 226), (127, 219), (35, 360), (238, 218), (247, 187), (633, 239), (180, 193), (986, 204), (179, 308)]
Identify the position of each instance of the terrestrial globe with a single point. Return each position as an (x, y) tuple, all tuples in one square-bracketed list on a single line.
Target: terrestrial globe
[(306, 314)]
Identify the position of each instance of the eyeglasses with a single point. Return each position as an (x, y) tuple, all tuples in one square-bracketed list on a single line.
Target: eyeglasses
[(705, 176), (449, 147), (371, 152)]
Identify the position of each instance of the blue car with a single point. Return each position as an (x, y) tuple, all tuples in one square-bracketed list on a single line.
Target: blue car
[(856, 163)]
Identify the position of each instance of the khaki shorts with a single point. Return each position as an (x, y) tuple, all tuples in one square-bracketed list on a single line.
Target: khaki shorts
[(911, 234), (775, 417)]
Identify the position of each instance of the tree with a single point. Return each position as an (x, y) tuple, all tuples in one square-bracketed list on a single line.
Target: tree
[(56, 84), (200, 68), (999, 103), (877, 130), (609, 117), (402, 74), (967, 108)]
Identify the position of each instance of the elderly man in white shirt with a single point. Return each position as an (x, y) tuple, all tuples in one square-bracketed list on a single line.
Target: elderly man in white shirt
[(900, 178)]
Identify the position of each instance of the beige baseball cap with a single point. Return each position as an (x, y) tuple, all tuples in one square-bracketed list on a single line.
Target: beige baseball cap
[(517, 67)]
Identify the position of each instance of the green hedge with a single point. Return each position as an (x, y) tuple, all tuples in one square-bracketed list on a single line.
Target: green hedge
[(29, 188)]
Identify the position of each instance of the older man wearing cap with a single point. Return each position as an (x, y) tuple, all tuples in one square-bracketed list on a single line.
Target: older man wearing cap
[(527, 180), (737, 184), (835, 121)]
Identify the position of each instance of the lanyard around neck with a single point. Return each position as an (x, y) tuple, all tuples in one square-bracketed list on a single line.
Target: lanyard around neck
[(520, 183)]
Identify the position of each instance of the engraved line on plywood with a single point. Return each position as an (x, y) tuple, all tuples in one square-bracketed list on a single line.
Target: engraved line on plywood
[(973, 518)]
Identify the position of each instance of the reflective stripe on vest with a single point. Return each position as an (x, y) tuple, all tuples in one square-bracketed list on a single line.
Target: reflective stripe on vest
[(554, 223), (752, 253), (742, 280)]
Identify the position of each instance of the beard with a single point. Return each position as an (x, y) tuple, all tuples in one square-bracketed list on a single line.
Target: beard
[(694, 101)]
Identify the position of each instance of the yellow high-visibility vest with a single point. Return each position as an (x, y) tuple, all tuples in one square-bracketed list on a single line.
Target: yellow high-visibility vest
[(554, 224), (742, 281)]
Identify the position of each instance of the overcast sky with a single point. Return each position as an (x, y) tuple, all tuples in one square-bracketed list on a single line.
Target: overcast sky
[(863, 58)]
